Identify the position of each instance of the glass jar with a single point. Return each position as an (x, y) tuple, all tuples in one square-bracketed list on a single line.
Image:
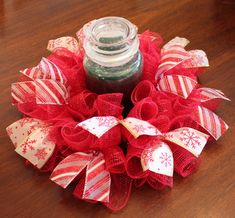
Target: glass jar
[(113, 62)]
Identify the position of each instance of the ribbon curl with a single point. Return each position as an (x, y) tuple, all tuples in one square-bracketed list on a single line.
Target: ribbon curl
[(29, 137), (45, 84), (97, 179)]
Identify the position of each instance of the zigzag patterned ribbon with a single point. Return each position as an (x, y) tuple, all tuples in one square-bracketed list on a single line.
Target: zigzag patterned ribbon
[(29, 137), (47, 85), (156, 158), (97, 179)]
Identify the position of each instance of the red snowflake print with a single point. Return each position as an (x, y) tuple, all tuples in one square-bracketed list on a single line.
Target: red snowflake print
[(9, 131), (41, 154), (139, 128), (190, 138), (45, 130), (29, 132), (147, 155), (24, 121), (28, 145), (33, 127), (105, 121), (165, 159)]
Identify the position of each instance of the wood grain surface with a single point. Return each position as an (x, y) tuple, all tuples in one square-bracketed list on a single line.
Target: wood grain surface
[(25, 28)]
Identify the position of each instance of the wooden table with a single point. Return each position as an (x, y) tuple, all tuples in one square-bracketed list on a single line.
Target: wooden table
[(26, 27)]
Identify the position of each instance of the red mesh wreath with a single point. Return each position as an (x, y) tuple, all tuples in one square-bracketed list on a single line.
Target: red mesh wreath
[(168, 98)]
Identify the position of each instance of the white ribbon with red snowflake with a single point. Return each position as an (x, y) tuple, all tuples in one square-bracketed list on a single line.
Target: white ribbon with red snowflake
[(29, 137), (157, 157)]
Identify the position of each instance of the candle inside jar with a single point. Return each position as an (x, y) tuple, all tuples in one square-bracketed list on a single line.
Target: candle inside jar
[(112, 62)]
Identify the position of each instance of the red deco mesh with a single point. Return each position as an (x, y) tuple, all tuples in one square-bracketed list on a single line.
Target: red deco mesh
[(163, 110), (143, 90), (109, 104), (185, 163)]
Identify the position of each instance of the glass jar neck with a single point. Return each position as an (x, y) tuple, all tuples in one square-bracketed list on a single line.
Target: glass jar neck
[(111, 41)]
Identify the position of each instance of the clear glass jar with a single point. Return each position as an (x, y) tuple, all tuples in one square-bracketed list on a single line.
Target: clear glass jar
[(113, 62)]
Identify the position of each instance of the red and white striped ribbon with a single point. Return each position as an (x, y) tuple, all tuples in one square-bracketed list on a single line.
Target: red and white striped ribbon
[(51, 71), (209, 94), (170, 58), (23, 92), (66, 171), (50, 92), (32, 73), (39, 91), (210, 122), (173, 54), (67, 42), (98, 180), (177, 84), (198, 58)]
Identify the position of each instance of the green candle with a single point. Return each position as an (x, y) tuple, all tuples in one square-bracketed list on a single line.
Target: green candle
[(112, 62)]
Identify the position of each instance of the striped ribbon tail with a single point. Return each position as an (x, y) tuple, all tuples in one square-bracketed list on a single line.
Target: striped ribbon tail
[(198, 59), (32, 73), (69, 168), (98, 180), (177, 84), (51, 71), (211, 122), (50, 92), (171, 56), (23, 92), (66, 42), (209, 94)]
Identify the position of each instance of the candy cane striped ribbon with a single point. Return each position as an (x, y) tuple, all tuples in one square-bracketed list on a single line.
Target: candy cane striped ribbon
[(170, 58), (51, 71), (209, 94), (210, 122), (177, 84), (39, 91), (97, 180), (46, 69), (50, 92), (32, 73), (23, 92), (173, 54), (66, 171)]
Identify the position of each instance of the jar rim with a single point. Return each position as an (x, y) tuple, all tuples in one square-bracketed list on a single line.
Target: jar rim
[(131, 31)]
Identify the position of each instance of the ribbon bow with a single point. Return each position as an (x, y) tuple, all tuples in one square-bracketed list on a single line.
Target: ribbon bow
[(29, 137), (97, 178), (157, 157), (46, 85), (173, 54)]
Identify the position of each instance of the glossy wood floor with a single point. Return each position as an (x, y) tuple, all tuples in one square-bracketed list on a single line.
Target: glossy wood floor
[(25, 28)]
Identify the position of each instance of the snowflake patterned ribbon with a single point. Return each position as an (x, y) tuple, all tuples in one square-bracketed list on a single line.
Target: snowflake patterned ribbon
[(29, 137), (157, 158)]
